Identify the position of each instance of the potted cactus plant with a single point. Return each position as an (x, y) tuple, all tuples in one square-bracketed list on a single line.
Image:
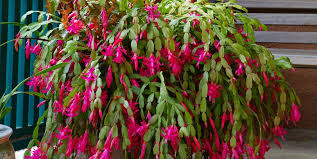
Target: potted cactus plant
[(169, 79)]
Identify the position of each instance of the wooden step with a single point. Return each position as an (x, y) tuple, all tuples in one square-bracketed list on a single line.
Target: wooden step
[(285, 19), (286, 37), (283, 4), (297, 57)]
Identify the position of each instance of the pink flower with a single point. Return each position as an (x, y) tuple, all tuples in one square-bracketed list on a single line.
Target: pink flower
[(60, 42), (152, 64), (83, 142), (119, 56), (107, 147), (108, 51), (217, 45), (36, 49), (89, 76), (16, 41), (64, 133), (74, 107), (135, 82), (240, 70), (202, 56), (40, 104), (91, 42), (196, 142), (28, 49), (171, 134), (58, 107), (87, 96), (143, 34), (126, 89), (152, 12), (104, 23), (38, 153), (75, 26), (295, 114), (214, 91), (109, 77), (223, 120), (135, 59), (187, 52), (34, 82), (94, 116), (143, 150), (71, 144)]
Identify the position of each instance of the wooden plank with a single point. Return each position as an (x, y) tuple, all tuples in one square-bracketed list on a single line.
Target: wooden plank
[(283, 4), (286, 37), (286, 19), (298, 57)]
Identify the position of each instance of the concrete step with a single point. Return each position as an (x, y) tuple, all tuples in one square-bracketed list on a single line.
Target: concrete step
[(298, 144)]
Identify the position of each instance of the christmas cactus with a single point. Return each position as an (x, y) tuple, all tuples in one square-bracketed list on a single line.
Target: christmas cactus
[(169, 79)]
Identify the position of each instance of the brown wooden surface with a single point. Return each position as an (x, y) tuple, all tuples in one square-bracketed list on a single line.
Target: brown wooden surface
[(301, 4), (304, 81), (286, 37), (285, 18)]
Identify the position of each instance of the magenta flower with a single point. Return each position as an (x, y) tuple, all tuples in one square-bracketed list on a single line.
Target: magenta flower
[(89, 77), (104, 23), (92, 41), (34, 82), (16, 41), (60, 42), (197, 144), (240, 70), (135, 59), (217, 142), (135, 82), (195, 21), (38, 153), (119, 56), (64, 133), (152, 64), (107, 147), (58, 107), (75, 26), (86, 97), (126, 89), (217, 45), (36, 49), (295, 114), (152, 12), (171, 134), (74, 107), (223, 120), (214, 91), (28, 49), (187, 52), (40, 104), (108, 51), (71, 144), (83, 142), (94, 116), (143, 150), (143, 34), (109, 77), (202, 56)]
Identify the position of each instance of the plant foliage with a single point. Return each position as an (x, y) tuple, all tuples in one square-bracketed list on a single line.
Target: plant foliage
[(169, 79)]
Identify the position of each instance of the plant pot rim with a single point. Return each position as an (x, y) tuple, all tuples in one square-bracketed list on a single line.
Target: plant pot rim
[(5, 133)]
